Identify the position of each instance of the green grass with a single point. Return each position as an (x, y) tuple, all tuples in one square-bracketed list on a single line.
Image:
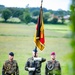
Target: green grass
[(19, 39)]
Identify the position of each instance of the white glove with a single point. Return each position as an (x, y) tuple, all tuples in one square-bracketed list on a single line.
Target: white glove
[(37, 58), (31, 69)]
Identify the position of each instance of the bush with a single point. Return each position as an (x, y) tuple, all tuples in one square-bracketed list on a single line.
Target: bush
[(6, 14)]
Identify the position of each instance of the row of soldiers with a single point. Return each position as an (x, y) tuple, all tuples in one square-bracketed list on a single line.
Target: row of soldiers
[(33, 65)]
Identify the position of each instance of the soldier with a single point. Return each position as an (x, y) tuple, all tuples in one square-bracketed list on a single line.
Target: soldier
[(34, 64), (10, 67), (53, 66)]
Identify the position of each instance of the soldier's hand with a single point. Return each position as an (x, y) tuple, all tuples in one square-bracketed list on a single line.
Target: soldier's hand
[(31, 69), (37, 58)]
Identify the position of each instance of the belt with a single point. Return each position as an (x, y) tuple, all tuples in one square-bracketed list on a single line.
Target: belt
[(9, 74)]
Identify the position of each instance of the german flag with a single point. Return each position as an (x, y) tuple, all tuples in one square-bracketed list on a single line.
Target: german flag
[(39, 38)]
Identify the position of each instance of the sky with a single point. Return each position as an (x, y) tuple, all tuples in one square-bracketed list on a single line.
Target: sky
[(49, 4)]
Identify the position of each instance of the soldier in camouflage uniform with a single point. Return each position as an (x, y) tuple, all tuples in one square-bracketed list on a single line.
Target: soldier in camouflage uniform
[(10, 67), (53, 66), (33, 64)]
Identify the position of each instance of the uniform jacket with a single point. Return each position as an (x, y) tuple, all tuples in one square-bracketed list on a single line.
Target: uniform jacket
[(52, 68), (37, 64), (10, 68)]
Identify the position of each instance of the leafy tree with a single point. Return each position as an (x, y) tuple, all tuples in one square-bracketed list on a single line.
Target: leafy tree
[(21, 18), (12, 9), (6, 14), (51, 11), (35, 13), (26, 17), (17, 13)]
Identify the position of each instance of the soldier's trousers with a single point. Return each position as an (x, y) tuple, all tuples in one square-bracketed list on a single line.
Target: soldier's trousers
[(31, 73)]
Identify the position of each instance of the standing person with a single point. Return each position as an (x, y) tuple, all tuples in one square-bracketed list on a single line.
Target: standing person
[(10, 67), (33, 64), (53, 66)]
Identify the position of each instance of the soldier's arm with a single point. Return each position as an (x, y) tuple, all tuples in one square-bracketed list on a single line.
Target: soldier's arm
[(27, 66), (17, 69), (43, 60), (59, 67), (3, 70), (46, 70)]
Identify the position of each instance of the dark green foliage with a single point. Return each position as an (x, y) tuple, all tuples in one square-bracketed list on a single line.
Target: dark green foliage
[(21, 17), (26, 18), (62, 19), (6, 14), (72, 7), (35, 13), (17, 13), (54, 20), (34, 20), (46, 17), (37, 8)]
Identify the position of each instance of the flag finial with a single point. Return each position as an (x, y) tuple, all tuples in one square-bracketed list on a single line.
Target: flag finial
[(41, 1)]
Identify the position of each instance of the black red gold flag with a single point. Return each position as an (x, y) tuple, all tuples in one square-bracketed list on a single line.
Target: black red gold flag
[(39, 38)]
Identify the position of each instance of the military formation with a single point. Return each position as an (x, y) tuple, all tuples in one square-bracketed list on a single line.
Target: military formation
[(33, 65)]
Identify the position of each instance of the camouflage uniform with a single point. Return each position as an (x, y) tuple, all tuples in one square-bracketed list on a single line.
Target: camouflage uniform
[(52, 68), (10, 68), (37, 64)]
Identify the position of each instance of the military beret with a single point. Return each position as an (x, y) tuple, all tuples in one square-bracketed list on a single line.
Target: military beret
[(11, 54), (53, 53)]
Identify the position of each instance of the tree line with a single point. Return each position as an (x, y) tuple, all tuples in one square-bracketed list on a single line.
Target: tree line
[(29, 14)]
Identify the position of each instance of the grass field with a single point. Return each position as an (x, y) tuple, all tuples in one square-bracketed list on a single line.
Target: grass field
[(19, 39)]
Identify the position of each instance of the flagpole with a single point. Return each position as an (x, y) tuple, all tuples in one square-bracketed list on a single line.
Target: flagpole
[(35, 51), (41, 2)]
